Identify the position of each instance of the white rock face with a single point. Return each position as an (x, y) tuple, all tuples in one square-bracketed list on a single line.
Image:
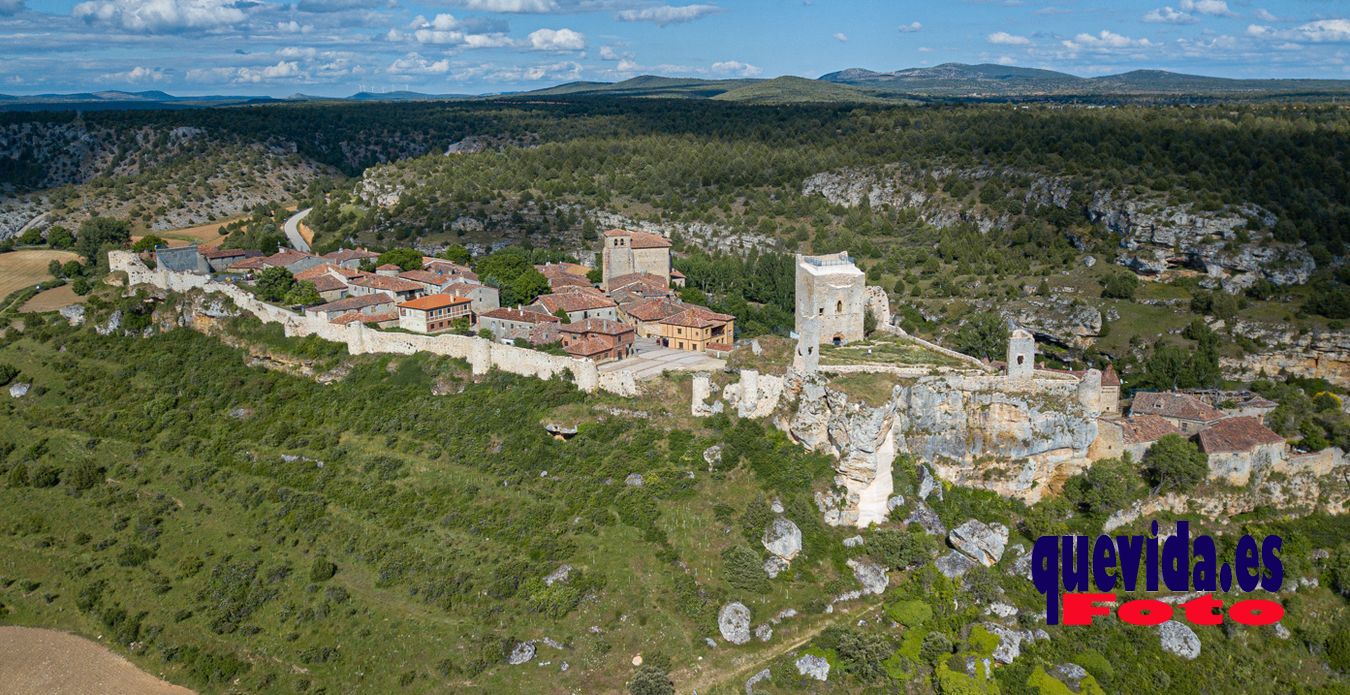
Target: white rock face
[(733, 621), (872, 577), (18, 389), (983, 543), (814, 666), (954, 564), (522, 653), (1178, 638), (782, 538)]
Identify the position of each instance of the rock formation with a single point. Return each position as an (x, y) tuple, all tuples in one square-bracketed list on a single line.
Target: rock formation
[(733, 621)]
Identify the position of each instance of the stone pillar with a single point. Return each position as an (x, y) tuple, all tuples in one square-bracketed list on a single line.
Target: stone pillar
[(1021, 355), (749, 393), (807, 359), (480, 355), (1090, 392), (702, 389)]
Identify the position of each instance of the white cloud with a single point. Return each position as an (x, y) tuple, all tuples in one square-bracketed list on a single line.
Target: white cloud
[(735, 67), (1167, 15), (138, 74), (513, 6), (1266, 16), (1104, 41), (446, 30), (557, 40), (415, 64), (161, 16), (663, 15), (1003, 38), (1320, 31), (841, 37), (909, 28), (1005, 60), (9, 7), (294, 27), (1213, 8), (283, 71), (608, 53)]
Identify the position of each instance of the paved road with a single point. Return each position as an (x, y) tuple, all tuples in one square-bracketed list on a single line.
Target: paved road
[(292, 228)]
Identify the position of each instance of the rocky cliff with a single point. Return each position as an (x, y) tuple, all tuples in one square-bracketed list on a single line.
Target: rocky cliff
[(1234, 247), (1016, 438)]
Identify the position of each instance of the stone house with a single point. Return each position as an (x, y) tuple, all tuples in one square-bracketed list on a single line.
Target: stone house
[(432, 283), (388, 270), (220, 259), (1240, 446), (329, 279), (600, 340), (397, 288), (698, 329), (627, 252), (350, 258), (292, 260), (1187, 412), (1110, 399), (517, 324), (830, 288), (433, 313), (1134, 435), (377, 303), (440, 266), (645, 315), (578, 306), (485, 298)]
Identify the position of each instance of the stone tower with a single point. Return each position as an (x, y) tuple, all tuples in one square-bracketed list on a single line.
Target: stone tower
[(1021, 354), (830, 289), (626, 252), (1090, 392), (807, 359)]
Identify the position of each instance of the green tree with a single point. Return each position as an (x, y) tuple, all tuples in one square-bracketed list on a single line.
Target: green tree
[(149, 242), (983, 335), (650, 680), (869, 321), (525, 287), (1173, 463), (274, 283), (98, 233), (1120, 285), (405, 258), (302, 294), (59, 237), (562, 315), (457, 253), (1107, 486)]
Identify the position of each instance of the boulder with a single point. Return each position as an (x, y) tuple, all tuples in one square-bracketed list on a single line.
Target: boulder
[(73, 314), (1071, 675), (713, 455), (1281, 631), (522, 653), (633, 480), (894, 502), (928, 484), (1178, 638), (776, 506), (19, 389), (924, 516), (733, 621), (775, 566), (982, 542), (782, 538), (1009, 642), (755, 679), (1001, 609), (814, 666), (763, 633), (871, 575), (559, 575), (853, 541), (954, 564)]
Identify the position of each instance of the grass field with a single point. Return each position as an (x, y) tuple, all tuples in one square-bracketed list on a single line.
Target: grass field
[(886, 349), (20, 269), (51, 300)]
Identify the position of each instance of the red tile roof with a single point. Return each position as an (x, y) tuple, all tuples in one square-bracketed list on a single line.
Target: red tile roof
[(520, 316), (1109, 376), (434, 301), (385, 282), (250, 263), (697, 317), (425, 276), (1145, 428), (645, 280), (587, 347), (653, 309), (344, 255), (325, 283), (286, 257), (1181, 406), (1237, 434), (358, 317), (349, 303), (214, 254), (573, 301), (596, 326), (327, 269), (640, 240)]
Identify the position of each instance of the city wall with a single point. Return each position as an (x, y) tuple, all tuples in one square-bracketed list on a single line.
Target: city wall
[(481, 353)]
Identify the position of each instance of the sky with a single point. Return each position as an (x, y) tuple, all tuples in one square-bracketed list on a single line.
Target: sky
[(339, 47)]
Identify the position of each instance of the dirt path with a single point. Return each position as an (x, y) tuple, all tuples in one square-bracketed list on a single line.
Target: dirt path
[(34, 661), (740, 669)]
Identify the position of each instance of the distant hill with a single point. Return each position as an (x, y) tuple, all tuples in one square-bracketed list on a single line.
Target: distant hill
[(788, 89), (986, 80)]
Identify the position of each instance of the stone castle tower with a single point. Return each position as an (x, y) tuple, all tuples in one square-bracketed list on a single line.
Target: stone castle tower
[(628, 252), (1021, 354), (830, 290)]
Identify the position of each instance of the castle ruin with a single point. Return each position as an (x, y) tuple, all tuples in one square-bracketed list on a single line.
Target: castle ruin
[(830, 290)]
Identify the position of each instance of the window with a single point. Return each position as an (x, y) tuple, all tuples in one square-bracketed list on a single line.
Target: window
[(1021, 359), (839, 307)]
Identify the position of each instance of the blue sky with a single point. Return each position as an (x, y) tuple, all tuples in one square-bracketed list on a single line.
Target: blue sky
[(337, 47)]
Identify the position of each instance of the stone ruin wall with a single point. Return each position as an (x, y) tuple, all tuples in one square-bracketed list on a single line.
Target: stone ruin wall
[(482, 354)]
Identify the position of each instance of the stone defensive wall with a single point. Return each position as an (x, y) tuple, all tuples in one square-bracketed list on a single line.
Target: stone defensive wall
[(481, 353)]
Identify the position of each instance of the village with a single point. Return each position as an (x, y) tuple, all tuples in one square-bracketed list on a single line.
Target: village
[(633, 324)]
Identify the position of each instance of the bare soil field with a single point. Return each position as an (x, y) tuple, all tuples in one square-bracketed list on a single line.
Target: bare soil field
[(206, 235), (20, 269), (50, 662), (51, 300)]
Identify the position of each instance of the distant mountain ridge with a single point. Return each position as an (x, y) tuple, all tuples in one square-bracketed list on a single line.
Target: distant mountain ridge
[(948, 80)]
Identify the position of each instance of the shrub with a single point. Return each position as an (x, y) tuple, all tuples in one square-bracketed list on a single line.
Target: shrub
[(321, 570), (911, 614), (899, 549), (1174, 463), (650, 680), (743, 569)]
